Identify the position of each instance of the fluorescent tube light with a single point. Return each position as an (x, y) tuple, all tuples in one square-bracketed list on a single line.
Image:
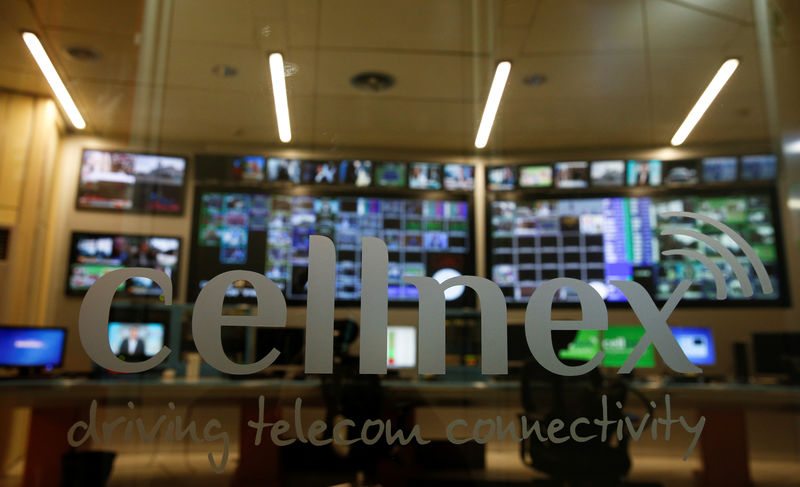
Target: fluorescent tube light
[(52, 77), (278, 75), (492, 102), (712, 90)]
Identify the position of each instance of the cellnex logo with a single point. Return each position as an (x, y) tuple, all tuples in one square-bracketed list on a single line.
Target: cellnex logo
[(208, 319)]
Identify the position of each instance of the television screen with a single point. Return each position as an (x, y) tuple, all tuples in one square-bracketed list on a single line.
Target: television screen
[(500, 178), (681, 172), (720, 169), (358, 173), (32, 346), (135, 341), (571, 174), (584, 347), (320, 172), (598, 240), (459, 177), (279, 169), (607, 173), (618, 343), (401, 347), (759, 168), (697, 344), (93, 255), (535, 176), (391, 174), (130, 181), (644, 173), (270, 234), (425, 175)]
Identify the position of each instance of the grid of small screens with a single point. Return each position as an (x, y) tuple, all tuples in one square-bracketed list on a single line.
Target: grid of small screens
[(401, 350), (356, 173), (598, 240), (135, 341), (620, 173), (32, 346), (94, 254), (127, 181), (270, 234)]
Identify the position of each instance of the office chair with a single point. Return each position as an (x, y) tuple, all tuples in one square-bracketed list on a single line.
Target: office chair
[(546, 397)]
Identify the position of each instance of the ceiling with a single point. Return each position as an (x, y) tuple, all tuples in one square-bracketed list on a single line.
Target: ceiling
[(619, 73)]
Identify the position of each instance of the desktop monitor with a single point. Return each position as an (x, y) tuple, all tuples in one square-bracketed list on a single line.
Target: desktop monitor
[(32, 346), (607, 173), (720, 169), (279, 169), (501, 178), (135, 341), (618, 342), (759, 168), (681, 172), (574, 174), (425, 175), (391, 174), (320, 172), (401, 347), (697, 344), (644, 173), (459, 177), (127, 181), (358, 173)]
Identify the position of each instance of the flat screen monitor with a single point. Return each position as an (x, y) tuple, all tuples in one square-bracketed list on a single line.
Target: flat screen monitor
[(501, 178), (598, 240), (697, 344), (681, 172), (720, 169), (320, 172), (574, 174), (401, 347), (644, 173), (759, 167), (539, 176), (584, 347), (425, 175), (94, 254), (607, 173), (229, 168), (270, 234), (617, 343), (459, 177), (357, 173), (391, 174), (135, 341), (128, 181), (776, 353), (32, 346), (279, 169)]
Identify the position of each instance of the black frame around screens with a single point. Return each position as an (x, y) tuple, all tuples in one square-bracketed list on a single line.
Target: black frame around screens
[(63, 344), (139, 190), (73, 254), (770, 191), (200, 254)]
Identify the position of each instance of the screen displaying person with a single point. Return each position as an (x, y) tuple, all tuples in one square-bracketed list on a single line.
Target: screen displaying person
[(132, 347)]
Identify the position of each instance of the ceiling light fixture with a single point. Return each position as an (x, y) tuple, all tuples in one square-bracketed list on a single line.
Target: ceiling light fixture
[(52, 77), (712, 90), (492, 103), (278, 74)]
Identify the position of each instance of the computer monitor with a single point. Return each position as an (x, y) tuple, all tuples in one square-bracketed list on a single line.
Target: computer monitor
[(618, 342), (776, 353), (32, 347), (401, 347), (135, 341), (697, 344)]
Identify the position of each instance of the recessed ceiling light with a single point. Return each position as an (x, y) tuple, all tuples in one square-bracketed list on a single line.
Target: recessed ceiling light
[(224, 70), (372, 81), (82, 53), (53, 79), (724, 73), (492, 103), (534, 80)]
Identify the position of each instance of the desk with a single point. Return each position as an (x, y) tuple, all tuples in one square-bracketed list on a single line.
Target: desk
[(725, 456)]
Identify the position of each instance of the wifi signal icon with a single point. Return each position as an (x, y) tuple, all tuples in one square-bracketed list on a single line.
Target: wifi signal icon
[(724, 252)]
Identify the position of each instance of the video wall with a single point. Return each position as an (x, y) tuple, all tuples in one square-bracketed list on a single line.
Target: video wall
[(599, 240), (269, 234)]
